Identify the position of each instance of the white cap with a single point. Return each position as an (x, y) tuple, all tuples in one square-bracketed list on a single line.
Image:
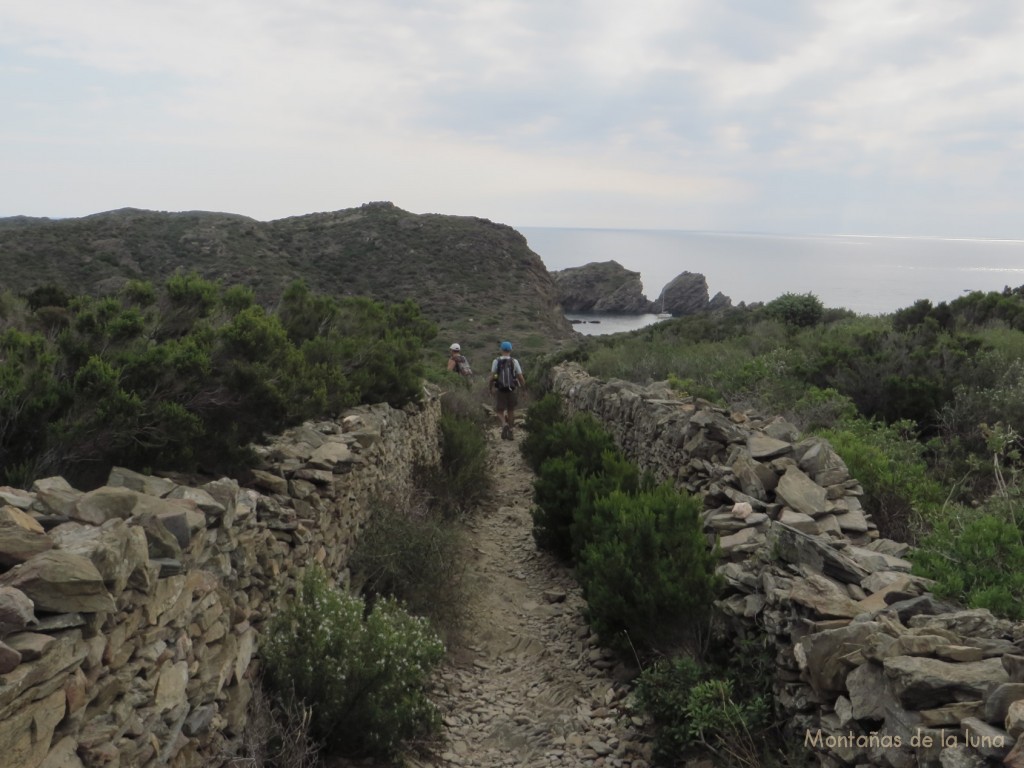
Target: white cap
[(455, 348)]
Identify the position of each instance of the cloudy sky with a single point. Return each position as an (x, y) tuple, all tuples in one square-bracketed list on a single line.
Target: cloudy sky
[(834, 116)]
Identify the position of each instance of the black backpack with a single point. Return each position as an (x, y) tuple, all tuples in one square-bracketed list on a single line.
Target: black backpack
[(506, 374)]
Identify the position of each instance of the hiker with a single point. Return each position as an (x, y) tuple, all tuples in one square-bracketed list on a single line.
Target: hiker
[(506, 378), (457, 361)]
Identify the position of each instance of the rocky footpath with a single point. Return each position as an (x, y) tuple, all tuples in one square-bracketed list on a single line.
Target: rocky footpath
[(871, 669), (530, 686), (130, 614)]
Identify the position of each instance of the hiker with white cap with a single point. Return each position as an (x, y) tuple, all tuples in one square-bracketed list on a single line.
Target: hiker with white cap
[(457, 361)]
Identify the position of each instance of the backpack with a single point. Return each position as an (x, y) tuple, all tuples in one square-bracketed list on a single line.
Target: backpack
[(506, 374), (462, 366)]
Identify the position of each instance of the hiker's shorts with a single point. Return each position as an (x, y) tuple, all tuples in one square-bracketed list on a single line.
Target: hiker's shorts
[(505, 401)]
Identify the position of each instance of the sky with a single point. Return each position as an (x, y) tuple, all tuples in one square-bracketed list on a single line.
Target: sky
[(874, 117)]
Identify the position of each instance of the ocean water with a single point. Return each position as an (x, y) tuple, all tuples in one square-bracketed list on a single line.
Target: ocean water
[(602, 323), (868, 275)]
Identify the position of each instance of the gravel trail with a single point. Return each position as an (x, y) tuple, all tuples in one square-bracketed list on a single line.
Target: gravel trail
[(528, 685)]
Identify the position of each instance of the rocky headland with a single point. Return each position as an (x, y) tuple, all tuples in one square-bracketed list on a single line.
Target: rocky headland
[(607, 286)]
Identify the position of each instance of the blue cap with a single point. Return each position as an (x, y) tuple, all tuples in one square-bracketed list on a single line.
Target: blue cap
[(506, 346)]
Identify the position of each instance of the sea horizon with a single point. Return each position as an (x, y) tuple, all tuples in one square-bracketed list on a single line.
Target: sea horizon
[(867, 274)]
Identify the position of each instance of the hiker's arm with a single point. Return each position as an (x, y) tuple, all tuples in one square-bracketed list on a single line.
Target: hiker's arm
[(451, 363), (522, 380)]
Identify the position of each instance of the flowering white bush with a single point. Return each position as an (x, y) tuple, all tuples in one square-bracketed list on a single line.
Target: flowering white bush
[(365, 678)]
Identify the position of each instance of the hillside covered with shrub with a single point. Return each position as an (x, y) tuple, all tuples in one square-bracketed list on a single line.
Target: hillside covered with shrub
[(186, 375), (477, 280), (925, 406)]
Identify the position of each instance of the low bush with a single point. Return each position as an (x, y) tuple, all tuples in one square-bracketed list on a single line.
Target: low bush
[(184, 377), (566, 453), (692, 709), (556, 493), (541, 418), (564, 493), (647, 572), (616, 474), (663, 693), (977, 557), (890, 464), (414, 555), (797, 310), (464, 474), (364, 676)]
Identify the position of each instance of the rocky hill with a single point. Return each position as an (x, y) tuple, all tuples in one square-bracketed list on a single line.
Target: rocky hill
[(478, 280)]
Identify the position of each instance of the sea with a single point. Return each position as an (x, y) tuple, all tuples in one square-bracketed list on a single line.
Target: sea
[(870, 275)]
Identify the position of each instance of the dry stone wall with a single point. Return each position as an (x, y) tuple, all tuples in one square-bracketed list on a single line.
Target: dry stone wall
[(130, 615), (871, 669)]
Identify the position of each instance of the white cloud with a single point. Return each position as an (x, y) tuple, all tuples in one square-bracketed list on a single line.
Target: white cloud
[(686, 113)]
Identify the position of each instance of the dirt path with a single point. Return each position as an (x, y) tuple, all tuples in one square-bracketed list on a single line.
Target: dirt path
[(529, 686)]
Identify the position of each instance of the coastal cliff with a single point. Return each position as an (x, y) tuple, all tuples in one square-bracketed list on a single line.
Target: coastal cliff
[(607, 286)]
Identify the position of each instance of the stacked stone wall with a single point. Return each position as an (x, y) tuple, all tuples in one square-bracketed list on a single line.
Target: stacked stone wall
[(130, 615), (870, 668)]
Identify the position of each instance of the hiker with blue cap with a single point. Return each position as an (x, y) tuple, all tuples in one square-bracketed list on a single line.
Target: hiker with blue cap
[(506, 378)]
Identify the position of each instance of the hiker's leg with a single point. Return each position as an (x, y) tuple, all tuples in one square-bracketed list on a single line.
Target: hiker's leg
[(500, 405), (513, 401)]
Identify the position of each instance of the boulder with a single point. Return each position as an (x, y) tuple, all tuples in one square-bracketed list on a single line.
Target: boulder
[(60, 582), (922, 683), (18, 543), (801, 493), (16, 611)]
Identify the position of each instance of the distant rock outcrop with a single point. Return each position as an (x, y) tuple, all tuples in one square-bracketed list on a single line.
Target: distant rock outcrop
[(607, 286), (687, 294), (604, 286)]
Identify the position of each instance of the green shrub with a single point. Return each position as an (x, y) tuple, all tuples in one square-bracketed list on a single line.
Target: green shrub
[(690, 709), (464, 477), (663, 693), (584, 437), (648, 572), (186, 377), (413, 554), (363, 678), (556, 493), (799, 310), (822, 409), (976, 558), (617, 473), (890, 464), (729, 726), (541, 418)]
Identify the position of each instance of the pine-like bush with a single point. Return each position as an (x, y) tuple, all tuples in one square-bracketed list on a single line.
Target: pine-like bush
[(556, 493), (617, 473), (541, 418), (572, 451), (647, 573)]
